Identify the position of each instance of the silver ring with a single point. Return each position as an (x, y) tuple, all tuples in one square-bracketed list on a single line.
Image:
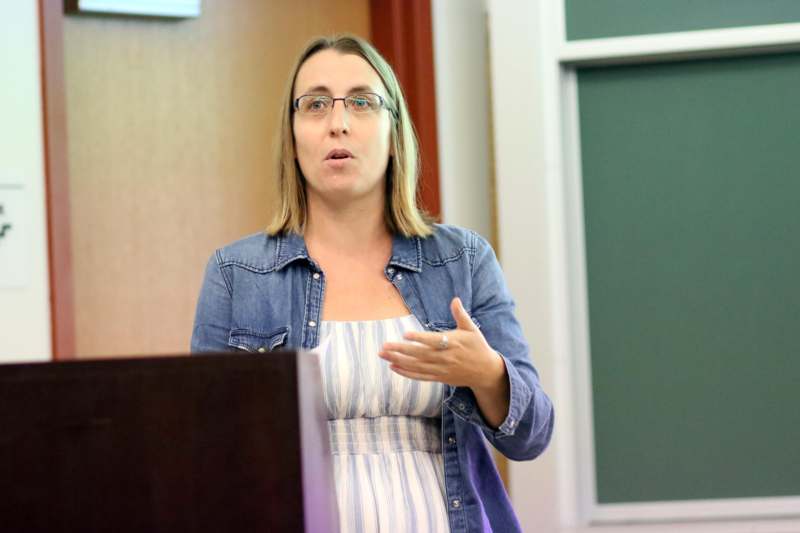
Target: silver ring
[(443, 343)]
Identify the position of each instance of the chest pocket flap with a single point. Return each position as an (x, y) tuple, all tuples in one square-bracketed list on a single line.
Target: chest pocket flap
[(448, 324), (255, 341)]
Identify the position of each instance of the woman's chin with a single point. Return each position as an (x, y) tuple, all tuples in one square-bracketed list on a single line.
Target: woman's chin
[(342, 189)]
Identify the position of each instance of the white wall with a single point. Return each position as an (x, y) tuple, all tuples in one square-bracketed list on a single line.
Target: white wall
[(461, 38), (464, 103), (524, 178), (462, 112), (24, 289)]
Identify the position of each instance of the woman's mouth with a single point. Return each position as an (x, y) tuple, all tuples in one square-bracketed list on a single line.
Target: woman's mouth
[(338, 153), (338, 158)]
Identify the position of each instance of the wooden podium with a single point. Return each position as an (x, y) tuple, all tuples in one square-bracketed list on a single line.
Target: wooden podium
[(224, 443)]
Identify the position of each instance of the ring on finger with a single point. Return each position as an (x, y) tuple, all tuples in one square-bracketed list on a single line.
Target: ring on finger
[(443, 343)]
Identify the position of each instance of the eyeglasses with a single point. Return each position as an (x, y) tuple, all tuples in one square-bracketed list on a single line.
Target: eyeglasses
[(318, 105)]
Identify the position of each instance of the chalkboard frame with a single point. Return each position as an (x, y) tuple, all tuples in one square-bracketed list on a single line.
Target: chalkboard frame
[(551, 76), (606, 19), (701, 44), (578, 304)]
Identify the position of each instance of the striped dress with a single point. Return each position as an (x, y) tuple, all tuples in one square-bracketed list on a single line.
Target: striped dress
[(385, 432)]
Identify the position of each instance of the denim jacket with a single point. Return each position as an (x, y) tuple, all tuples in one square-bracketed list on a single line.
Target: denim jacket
[(263, 293)]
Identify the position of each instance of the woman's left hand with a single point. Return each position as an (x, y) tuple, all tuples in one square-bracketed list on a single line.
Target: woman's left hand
[(461, 357)]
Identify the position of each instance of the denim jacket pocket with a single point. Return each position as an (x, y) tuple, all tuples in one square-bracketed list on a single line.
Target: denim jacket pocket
[(256, 341), (448, 325), (440, 326)]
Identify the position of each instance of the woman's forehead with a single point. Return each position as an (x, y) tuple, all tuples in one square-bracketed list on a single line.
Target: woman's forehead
[(330, 71)]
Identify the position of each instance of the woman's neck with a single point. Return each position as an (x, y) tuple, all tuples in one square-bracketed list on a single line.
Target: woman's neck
[(356, 228)]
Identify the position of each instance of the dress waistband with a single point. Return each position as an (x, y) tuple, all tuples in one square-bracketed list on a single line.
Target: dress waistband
[(385, 434)]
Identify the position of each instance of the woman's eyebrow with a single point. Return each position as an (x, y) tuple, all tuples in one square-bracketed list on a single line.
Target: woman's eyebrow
[(361, 89), (317, 89), (323, 89)]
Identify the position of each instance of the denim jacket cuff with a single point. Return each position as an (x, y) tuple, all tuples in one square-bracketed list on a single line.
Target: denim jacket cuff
[(519, 400), (461, 401)]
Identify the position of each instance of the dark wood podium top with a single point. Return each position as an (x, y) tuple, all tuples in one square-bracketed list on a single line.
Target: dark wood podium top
[(229, 443)]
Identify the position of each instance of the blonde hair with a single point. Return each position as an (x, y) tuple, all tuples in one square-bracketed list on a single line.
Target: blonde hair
[(402, 214)]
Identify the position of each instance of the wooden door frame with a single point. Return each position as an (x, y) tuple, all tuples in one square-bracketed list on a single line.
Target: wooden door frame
[(402, 30), (56, 171)]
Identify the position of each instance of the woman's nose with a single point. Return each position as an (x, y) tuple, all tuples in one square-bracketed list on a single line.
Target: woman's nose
[(339, 118)]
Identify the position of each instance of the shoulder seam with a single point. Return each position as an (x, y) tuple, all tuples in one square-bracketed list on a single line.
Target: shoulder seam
[(465, 243), (246, 266), (228, 283)]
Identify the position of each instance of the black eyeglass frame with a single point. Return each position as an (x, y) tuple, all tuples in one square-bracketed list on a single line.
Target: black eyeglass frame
[(381, 100)]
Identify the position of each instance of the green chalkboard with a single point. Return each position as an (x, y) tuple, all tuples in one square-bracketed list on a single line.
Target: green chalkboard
[(590, 19), (691, 183)]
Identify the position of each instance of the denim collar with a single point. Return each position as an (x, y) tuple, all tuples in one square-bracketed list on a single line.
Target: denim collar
[(290, 247), (406, 251)]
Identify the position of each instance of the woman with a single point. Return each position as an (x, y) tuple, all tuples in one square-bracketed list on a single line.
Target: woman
[(422, 356)]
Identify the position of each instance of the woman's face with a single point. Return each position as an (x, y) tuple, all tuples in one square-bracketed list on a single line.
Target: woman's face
[(343, 155)]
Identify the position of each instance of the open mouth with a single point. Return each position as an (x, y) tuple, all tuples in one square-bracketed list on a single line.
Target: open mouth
[(338, 154)]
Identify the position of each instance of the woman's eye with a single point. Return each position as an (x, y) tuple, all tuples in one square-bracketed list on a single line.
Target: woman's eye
[(360, 102), (314, 105)]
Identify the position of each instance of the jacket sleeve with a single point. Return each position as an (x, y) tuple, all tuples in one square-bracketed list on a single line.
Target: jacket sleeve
[(212, 321), (528, 426)]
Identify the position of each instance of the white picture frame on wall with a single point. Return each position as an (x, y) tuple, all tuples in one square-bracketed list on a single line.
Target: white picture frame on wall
[(14, 243), (150, 8)]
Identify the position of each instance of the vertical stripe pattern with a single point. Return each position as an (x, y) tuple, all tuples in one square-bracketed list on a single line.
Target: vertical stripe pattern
[(385, 432)]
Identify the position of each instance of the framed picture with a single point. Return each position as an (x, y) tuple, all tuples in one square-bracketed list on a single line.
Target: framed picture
[(151, 8)]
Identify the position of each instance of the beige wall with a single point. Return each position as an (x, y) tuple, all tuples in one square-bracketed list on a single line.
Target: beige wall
[(170, 129)]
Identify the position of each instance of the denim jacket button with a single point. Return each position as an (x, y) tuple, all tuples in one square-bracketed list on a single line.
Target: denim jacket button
[(312, 324), (451, 440), (462, 406), (456, 504), (316, 275), (262, 350), (399, 277), (390, 271)]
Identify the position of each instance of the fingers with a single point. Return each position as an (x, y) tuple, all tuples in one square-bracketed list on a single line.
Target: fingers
[(406, 363), (462, 318), (423, 357), (421, 352), (431, 340)]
